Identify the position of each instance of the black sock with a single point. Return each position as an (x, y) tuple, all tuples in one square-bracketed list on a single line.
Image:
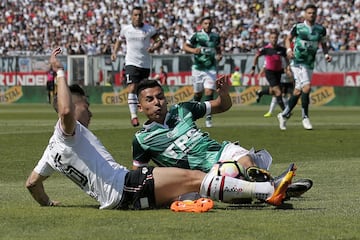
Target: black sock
[(291, 104), (305, 100), (279, 100)]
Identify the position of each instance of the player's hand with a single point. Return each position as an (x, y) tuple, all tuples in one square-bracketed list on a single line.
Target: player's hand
[(197, 50), (218, 57), (55, 203), (222, 85), (150, 50), (55, 63), (113, 57), (328, 58), (290, 54)]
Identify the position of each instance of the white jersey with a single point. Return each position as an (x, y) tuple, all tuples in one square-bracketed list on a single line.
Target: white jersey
[(138, 41), (84, 160)]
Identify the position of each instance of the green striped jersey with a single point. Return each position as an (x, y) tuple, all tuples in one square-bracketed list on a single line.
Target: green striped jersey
[(208, 42), (306, 43), (177, 143)]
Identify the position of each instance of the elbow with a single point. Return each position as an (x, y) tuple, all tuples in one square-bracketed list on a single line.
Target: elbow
[(227, 107), (224, 107), (65, 111)]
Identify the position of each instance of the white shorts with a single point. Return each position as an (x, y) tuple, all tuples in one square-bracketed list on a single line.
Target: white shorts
[(203, 79), (302, 76), (233, 152)]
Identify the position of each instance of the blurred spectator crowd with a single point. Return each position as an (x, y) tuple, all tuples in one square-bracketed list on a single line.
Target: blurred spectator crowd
[(34, 27)]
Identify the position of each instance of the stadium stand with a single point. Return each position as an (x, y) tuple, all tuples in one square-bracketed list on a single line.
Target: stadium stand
[(90, 27)]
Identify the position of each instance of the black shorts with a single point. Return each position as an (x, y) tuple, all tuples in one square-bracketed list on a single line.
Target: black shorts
[(138, 190), (273, 77), (50, 85), (135, 74), (287, 87)]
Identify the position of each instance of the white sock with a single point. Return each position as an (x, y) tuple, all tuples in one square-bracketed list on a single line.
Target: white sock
[(132, 102), (272, 104), (228, 189), (285, 101)]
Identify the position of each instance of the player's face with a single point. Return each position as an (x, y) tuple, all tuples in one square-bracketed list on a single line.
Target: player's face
[(273, 39), (137, 18), (152, 102), (310, 15), (82, 112), (206, 25)]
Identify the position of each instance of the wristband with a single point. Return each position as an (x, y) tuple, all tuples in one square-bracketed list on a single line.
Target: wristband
[(60, 73), (288, 50), (326, 55)]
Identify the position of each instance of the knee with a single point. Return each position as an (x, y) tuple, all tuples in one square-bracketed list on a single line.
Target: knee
[(246, 161)]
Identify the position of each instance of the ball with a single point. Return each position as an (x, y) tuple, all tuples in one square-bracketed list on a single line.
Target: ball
[(229, 169)]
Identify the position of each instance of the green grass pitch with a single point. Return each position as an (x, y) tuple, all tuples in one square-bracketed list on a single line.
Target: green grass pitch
[(329, 154)]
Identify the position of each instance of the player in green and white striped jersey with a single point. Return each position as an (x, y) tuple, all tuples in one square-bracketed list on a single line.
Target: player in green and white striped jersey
[(172, 139), (308, 36), (205, 45)]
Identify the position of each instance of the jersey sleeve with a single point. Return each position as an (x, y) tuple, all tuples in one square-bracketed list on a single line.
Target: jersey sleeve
[(140, 156), (122, 34), (43, 167), (293, 31), (198, 109), (323, 35), (192, 40), (260, 52), (153, 32)]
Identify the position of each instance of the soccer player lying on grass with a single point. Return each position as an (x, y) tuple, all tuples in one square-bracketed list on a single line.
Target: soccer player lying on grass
[(74, 151), (171, 138)]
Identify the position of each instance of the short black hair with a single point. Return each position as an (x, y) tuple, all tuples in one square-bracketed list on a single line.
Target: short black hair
[(147, 84), (205, 18), (137, 8), (312, 6), (75, 89)]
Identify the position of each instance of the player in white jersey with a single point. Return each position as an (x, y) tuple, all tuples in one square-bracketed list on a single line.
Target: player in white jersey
[(76, 153), (141, 39)]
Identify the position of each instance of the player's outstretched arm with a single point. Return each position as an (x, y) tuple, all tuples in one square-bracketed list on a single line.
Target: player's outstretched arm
[(223, 102), (65, 106), (35, 185)]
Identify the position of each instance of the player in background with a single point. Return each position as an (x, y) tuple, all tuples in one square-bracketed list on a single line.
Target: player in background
[(307, 37), (161, 76), (50, 84), (75, 152), (274, 55), (141, 39), (205, 45), (287, 88)]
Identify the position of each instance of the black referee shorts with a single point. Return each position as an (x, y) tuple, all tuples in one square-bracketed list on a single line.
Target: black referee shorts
[(273, 77)]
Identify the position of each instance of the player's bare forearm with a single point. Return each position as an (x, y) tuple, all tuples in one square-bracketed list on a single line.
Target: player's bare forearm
[(114, 53), (223, 102), (187, 48), (36, 188), (156, 45)]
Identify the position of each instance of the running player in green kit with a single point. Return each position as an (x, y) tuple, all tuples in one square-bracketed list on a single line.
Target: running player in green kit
[(308, 35), (205, 45)]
